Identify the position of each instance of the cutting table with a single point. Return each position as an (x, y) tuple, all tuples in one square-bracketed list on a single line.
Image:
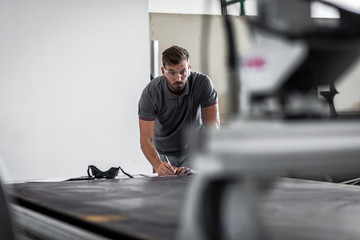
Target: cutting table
[(139, 208), (151, 208)]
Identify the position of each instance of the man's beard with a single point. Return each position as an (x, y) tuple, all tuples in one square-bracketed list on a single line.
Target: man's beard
[(176, 87)]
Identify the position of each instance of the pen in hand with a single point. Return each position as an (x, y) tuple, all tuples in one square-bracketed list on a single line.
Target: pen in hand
[(170, 164)]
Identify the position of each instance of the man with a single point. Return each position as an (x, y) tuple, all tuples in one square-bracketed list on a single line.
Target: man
[(169, 106)]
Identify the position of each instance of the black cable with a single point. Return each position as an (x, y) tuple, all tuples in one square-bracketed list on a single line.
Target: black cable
[(125, 173), (233, 64)]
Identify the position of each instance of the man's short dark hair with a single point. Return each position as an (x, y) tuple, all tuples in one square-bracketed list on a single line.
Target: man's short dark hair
[(174, 55)]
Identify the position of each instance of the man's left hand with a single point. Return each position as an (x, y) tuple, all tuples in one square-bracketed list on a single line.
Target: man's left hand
[(183, 171)]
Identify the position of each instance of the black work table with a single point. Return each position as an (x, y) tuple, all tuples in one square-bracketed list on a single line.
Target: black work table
[(139, 208), (151, 208)]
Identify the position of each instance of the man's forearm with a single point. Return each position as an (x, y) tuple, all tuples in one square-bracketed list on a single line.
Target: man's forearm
[(150, 152), (210, 116)]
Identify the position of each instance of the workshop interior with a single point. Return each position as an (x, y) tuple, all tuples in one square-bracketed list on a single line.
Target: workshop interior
[(283, 165)]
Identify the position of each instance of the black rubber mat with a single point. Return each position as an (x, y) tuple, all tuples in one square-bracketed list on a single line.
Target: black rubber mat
[(140, 208)]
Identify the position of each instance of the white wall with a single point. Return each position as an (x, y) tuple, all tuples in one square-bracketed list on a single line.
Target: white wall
[(71, 73), (211, 7)]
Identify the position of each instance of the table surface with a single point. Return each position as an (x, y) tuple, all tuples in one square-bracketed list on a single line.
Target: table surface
[(151, 208), (139, 208)]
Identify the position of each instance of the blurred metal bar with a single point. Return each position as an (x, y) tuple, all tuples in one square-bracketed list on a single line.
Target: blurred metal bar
[(45, 227), (154, 58)]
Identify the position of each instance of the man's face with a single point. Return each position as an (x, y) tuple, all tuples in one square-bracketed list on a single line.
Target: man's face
[(176, 75)]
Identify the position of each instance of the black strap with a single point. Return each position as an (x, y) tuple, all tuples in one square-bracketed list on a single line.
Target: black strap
[(93, 171)]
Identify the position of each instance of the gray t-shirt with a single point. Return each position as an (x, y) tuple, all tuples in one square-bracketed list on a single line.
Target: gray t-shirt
[(173, 114)]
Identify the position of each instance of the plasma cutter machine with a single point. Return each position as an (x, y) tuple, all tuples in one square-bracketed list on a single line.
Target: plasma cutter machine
[(283, 129)]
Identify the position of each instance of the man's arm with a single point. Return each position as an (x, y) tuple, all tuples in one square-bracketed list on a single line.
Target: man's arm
[(147, 129), (210, 116)]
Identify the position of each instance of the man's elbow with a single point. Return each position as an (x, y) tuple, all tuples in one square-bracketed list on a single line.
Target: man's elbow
[(212, 122), (217, 125)]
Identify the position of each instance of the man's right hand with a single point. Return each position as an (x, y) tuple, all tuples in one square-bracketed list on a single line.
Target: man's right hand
[(165, 169)]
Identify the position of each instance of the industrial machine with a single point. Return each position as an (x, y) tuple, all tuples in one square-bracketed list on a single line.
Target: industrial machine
[(6, 225), (284, 128)]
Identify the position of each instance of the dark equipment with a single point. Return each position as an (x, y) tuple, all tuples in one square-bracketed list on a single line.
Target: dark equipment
[(94, 172)]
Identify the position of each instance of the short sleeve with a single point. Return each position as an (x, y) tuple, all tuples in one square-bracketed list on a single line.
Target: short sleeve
[(209, 95), (146, 109)]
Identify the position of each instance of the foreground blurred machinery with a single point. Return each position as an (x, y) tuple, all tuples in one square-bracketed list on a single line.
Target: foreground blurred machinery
[(6, 225), (284, 127)]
